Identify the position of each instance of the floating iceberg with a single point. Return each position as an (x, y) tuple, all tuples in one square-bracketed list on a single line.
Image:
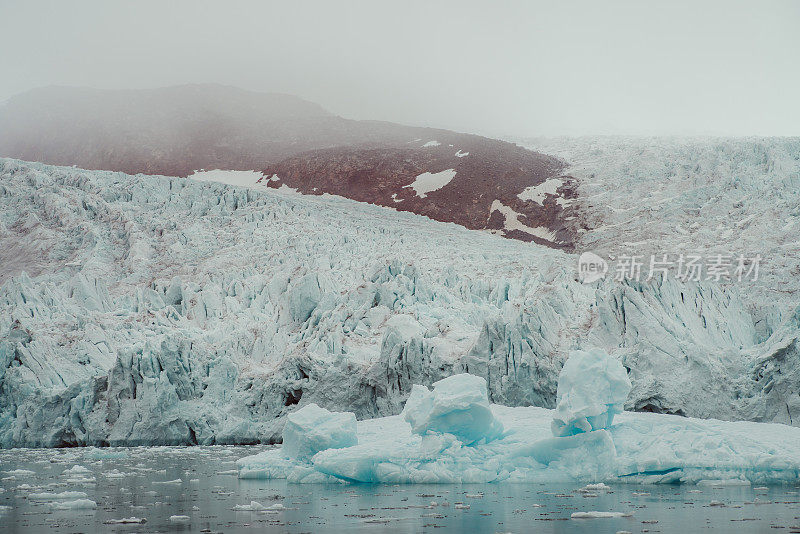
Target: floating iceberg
[(312, 429), (64, 495), (592, 388), (77, 504), (418, 447), (458, 405)]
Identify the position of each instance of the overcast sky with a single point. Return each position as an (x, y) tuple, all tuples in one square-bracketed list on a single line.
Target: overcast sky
[(501, 68)]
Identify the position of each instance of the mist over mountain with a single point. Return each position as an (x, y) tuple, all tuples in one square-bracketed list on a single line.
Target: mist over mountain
[(479, 183)]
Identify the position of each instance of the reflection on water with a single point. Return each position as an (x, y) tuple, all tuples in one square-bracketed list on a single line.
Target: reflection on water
[(178, 489)]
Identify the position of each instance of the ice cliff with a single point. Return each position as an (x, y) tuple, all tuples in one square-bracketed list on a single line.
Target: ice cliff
[(145, 309)]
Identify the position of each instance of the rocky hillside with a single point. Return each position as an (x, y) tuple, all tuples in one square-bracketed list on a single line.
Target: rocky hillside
[(474, 181)]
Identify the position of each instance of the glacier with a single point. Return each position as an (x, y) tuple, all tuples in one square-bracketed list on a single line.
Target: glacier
[(709, 195), (640, 448), (141, 310)]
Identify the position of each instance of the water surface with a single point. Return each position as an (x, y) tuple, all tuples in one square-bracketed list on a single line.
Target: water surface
[(156, 483)]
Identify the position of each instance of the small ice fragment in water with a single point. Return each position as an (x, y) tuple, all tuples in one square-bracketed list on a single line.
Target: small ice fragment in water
[(125, 521), (599, 515), (19, 472), (76, 470), (254, 506), (77, 504), (724, 482), (595, 487), (64, 495)]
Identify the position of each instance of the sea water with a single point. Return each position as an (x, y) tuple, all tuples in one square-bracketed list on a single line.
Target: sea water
[(196, 489)]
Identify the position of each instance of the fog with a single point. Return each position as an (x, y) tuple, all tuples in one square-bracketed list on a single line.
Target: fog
[(498, 68)]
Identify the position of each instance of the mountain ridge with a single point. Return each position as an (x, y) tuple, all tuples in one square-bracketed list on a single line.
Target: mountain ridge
[(178, 130)]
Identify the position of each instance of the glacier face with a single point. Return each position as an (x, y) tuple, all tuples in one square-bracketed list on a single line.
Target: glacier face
[(156, 310), (694, 195)]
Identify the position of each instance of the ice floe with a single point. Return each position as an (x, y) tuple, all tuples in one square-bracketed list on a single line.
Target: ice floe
[(434, 441)]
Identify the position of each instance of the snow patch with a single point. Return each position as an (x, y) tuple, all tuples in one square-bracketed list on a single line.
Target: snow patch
[(512, 223), (286, 189), (427, 182), (537, 193), (431, 143)]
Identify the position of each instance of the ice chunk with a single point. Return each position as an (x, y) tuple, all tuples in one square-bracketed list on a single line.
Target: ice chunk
[(77, 504), (594, 488), (175, 482), (64, 495), (724, 482), (179, 518), (20, 472), (125, 521), (592, 388), (254, 506), (76, 470), (600, 515), (458, 405), (312, 429)]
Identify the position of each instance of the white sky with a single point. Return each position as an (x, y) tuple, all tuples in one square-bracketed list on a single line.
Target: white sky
[(503, 68)]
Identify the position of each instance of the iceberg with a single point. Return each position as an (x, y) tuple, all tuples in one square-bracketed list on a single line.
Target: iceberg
[(77, 504), (312, 429), (458, 405), (592, 388), (637, 447)]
